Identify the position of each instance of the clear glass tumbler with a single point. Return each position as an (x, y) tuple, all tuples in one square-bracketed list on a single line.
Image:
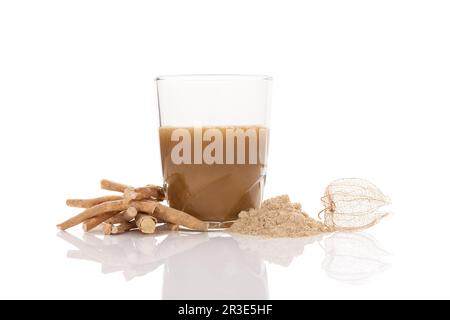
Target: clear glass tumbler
[(214, 133)]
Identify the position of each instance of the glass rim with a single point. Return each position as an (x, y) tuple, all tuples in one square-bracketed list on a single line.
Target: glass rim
[(214, 77)]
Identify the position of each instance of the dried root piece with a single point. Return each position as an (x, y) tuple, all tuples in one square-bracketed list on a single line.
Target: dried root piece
[(122, 227), (91, 223), (87, 203), (130, 213), (180, 218), (117, 205), (171, 215), (352, 204), (107, 228), (146, 223), (113, 186), (149, 192), (147, 207), (117, 218), (124, 216), (172, 227), (167, 227), (129, 194)]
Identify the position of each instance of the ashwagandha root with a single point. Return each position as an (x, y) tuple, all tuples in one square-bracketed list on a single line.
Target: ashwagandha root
[(111, 229), (179, 218), (122, 227), (171, 215), (87, 203), (130, 213), (149, 192), (117, 218), (107, 229), (123, 216), (146, 223), (171, 227), (129, 194), (113, 186), (167, 227), (117, 205), (136, 208), (91, 223)]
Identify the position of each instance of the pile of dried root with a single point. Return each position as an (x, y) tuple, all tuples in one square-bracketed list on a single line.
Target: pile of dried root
[(135, 208)]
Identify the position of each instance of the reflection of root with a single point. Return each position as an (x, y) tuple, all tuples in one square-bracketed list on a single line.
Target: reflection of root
[(281, 251), (353, 257), (132, 254)]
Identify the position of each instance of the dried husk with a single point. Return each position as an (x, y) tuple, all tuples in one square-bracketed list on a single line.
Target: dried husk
[(352, 204)]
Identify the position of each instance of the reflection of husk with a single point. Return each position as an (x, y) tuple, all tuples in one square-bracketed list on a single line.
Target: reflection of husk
[(353, 258), (352, 204)]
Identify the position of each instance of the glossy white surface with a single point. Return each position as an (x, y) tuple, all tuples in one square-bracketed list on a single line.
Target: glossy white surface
[(220, 266), (360, 89)]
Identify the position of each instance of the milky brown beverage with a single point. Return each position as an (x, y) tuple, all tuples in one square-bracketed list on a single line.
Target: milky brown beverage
[(214, 173)]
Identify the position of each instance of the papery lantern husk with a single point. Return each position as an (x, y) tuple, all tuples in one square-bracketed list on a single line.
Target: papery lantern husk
[(352, 204)]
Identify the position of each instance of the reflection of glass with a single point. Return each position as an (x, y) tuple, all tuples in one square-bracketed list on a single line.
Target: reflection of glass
[(216, 269), (353, 257)]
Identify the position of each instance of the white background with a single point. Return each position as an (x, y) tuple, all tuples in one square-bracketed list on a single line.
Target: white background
[(361, 89)]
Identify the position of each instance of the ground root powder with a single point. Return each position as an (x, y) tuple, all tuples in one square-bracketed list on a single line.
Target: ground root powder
[(278, 217)]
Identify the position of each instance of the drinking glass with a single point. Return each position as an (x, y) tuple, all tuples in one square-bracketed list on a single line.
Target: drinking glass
[(214, 133)]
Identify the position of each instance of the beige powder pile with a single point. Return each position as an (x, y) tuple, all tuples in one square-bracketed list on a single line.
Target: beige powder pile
[(278, 217)]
